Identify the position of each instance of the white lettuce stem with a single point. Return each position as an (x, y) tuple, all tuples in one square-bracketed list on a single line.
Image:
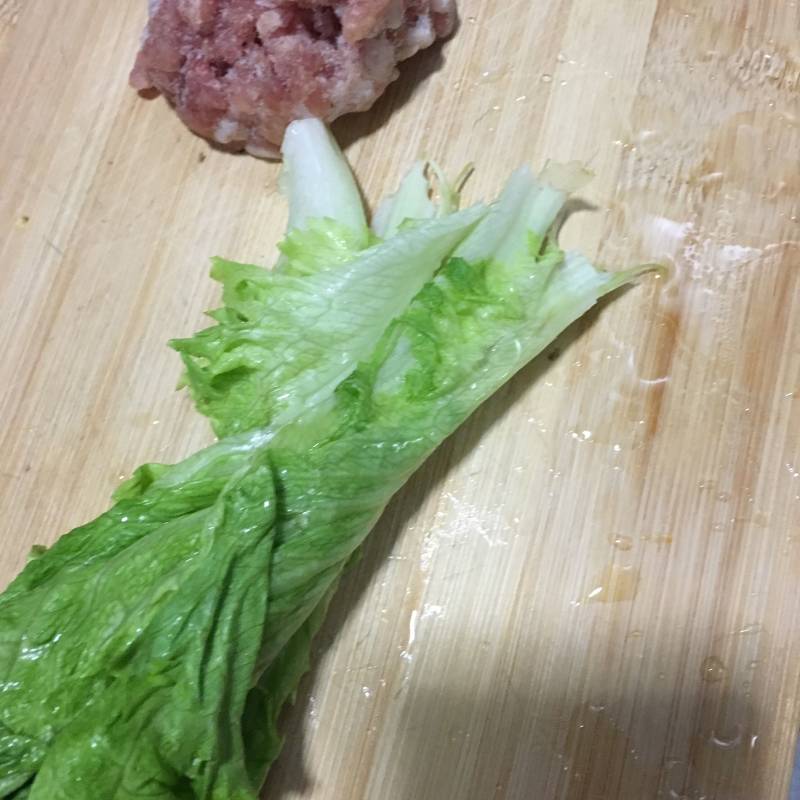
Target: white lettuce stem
[(317, 179)]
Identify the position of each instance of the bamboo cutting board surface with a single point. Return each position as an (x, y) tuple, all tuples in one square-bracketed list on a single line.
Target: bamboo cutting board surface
[(590, 591)]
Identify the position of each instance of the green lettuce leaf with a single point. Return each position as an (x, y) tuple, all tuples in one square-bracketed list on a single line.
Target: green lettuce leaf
[(284, 340), (148, 653), (123, 645)]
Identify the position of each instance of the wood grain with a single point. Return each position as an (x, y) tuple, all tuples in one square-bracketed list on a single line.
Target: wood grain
[(591, 590)]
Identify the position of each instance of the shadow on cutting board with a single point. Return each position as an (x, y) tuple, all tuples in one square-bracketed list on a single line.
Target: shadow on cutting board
[(464, 746), (510, 738)]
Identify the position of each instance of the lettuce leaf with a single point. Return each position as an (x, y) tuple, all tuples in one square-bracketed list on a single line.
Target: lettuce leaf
[(283, 341), (148, 653)]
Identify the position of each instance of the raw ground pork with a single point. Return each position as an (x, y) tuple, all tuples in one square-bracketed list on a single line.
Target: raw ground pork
[(238, 71)]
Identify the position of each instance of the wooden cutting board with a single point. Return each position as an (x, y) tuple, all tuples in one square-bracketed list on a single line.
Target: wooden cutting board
[(591, 591)]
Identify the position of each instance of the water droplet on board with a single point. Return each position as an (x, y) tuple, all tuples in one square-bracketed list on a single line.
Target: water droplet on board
[(616, 584), (724, 741), (751, 629), (621, 542), (432, 610), (713, 670), (546, 78), (493, 74), (658, 539), (313, 712)]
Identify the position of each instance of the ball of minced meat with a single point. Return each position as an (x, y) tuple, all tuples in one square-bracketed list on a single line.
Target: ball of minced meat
[(239, 71)]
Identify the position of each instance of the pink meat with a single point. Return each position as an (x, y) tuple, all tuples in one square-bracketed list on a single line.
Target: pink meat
[(239, 71)]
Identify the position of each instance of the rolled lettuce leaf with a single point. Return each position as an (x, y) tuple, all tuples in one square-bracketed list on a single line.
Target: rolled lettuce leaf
[(148, 653)]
